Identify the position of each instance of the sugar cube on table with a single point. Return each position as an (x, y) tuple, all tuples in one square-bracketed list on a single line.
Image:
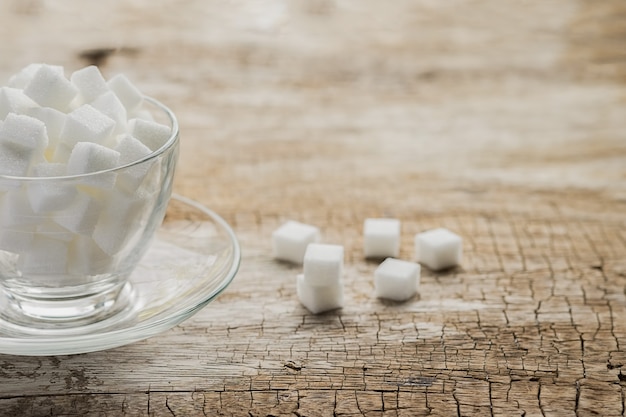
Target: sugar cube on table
[(395, 279), (152, 134), (289, 241), (438, 249), (50, 88), (89, 82), (13, 100), (89, 157), (323, 264), (87, 124), (319, 299), (128, 94), (381, 238)]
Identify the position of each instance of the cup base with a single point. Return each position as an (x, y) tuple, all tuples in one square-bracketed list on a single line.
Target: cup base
[(33, 315)]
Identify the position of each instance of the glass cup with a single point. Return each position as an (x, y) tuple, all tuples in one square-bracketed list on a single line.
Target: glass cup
[(69, 244)]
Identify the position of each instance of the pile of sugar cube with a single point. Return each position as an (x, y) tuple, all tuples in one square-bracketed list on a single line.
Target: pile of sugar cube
[(55, 126), (320, 287)]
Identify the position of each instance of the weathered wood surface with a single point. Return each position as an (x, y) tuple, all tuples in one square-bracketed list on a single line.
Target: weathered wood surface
[(503, 121)]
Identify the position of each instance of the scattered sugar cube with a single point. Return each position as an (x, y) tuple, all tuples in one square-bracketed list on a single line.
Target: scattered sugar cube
[(323, 264), (89, 157), (13, 100), (438, 249), (152, 134), (128, 94), (44, 256), (50, 88), (47, 196), (119, 218), (81, 215), (319, 299), (381, 238), (397, 280), (111, 106), (290, 240), (25, 75), (90, 83), (87, 124)]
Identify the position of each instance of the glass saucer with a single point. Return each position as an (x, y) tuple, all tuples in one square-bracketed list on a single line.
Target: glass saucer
[(192, 259)]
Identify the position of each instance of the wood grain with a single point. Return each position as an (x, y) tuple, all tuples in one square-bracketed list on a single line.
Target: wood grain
[(503, 122)]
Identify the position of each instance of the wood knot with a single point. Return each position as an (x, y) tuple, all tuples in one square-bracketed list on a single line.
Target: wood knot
[(292, 365)]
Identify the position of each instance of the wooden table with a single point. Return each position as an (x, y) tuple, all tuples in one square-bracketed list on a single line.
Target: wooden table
[(502, 121)]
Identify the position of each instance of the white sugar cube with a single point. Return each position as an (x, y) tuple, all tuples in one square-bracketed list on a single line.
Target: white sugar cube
[(16, 238), (50, 88), (131, 150), (23, 133), (13, 100), (59, 154), (13, 163), (120, 218), (22, 143), (89, 157), (128, 94), (397, 280), (144, 114), (111, 106), (381, 238), (323, 264), (81, 215), (152, 134), (15, 209), (44, 256), (25, 75), (90, 83), (17, 221), (319, 299), (49, 195), (290, 240), (54, 121), (85, 257), (53, 230), (438, 249), (86, 124)]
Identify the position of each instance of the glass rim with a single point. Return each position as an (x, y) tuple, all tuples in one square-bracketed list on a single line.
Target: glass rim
[(169, 143)]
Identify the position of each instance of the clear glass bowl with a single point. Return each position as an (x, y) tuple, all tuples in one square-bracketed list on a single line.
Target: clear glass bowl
[(69, 242), (193, 257)]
